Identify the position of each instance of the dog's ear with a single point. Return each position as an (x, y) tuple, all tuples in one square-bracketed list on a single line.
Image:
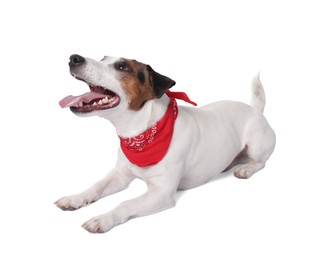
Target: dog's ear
[(160, 83)]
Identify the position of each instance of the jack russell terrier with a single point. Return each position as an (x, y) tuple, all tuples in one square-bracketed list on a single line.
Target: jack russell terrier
[(170, 147)]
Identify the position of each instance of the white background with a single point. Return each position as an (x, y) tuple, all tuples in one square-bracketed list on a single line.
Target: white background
[(212, 49)]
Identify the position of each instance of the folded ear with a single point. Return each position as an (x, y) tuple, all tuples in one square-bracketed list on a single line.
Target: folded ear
[(159, 83)]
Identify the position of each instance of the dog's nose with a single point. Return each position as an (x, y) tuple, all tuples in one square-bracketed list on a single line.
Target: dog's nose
[(76, 60)]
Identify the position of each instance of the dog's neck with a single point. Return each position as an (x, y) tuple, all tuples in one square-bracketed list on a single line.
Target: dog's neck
[(132, 123)]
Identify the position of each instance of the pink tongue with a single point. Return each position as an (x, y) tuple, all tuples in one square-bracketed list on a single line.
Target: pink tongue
[(86, 98)]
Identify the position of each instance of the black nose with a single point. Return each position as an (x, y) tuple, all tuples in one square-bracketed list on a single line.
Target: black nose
[(76, 60)]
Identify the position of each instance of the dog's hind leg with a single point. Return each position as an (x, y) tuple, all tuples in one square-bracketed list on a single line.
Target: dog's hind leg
[(259, 146), (114, 182), (244, 171), (260, 137)]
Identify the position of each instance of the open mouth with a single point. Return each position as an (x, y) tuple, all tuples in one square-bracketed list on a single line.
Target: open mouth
[(98, 98)]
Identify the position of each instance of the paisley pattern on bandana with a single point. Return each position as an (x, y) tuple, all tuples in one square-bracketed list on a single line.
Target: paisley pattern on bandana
[(138, 143)]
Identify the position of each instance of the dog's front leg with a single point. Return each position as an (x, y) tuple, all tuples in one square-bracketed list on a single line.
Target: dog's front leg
[(159, 196), (114, 182)]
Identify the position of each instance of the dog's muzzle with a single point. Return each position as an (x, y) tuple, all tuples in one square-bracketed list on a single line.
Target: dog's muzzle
[(98, 98)]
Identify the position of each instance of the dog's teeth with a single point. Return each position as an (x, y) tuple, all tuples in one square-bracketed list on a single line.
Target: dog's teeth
[(100, 102), (94, 104), (105, 100), (80, 104)]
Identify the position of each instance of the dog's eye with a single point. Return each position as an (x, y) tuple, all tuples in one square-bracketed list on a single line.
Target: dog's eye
[(122, 66)]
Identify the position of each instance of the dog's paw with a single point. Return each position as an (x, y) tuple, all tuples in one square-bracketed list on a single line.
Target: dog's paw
[(72, 202), (99, 224), (242, 173)]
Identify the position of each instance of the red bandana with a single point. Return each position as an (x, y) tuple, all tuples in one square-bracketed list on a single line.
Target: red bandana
[(151, 146)]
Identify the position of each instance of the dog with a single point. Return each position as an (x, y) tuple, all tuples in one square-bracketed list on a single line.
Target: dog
[(170, 147)]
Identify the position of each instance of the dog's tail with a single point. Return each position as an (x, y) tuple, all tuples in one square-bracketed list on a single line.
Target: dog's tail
[(258, 98)]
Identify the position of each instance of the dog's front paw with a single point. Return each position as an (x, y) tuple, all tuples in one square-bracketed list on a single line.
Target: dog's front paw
[(99, 224), (72, 202)]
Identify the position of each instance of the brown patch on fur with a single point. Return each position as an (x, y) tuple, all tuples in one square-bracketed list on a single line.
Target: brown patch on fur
[(138, 91)]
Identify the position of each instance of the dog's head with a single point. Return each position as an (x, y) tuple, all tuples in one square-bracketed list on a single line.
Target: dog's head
[(114, 83)]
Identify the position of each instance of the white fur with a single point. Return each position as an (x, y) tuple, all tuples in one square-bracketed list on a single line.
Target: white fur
[(205, 142)]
